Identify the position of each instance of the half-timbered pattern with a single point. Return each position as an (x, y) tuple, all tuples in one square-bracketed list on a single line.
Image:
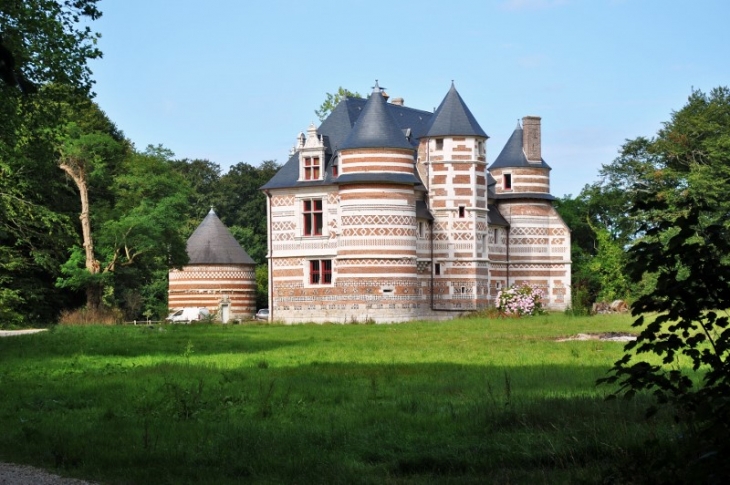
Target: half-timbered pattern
[(387, 213)]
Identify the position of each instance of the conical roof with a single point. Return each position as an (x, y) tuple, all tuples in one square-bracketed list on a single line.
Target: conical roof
[(213, 243), (376, 127), (453, 118), (513, 154)]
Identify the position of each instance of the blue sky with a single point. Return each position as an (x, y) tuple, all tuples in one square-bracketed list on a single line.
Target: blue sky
[(237, 80)]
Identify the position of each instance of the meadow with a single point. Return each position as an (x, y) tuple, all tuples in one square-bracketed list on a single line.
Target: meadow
[(471, 400)]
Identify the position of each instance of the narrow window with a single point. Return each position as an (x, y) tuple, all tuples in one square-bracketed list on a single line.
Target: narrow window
[(311, 168), (507, 181), (437, 269), (320, 272), (462, 212), (439, 143), (335, 170), (421, 231), (312, 215)]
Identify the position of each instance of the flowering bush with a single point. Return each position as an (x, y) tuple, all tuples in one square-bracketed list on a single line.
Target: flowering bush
[(520, 300)]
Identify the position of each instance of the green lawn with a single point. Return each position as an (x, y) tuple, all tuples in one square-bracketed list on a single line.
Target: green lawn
[(464, 401)]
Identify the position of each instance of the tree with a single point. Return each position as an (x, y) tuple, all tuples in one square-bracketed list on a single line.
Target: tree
[(136, 238), (332, 100), (46, 41), (683, 209), (83, 157)]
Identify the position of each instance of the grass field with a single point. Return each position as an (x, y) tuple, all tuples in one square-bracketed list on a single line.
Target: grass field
[(464, 401)]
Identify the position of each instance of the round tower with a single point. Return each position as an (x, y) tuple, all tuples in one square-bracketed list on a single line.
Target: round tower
[(376, 257), (219, 276)]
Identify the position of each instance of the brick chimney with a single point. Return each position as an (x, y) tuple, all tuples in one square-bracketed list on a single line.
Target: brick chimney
[(397, 101), (531, 138)]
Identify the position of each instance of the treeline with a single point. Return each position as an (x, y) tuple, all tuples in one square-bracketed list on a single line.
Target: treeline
[(88, 222)]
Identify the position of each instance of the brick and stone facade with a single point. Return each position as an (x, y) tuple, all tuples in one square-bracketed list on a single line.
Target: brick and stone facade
[(387, 214), (219, 276)]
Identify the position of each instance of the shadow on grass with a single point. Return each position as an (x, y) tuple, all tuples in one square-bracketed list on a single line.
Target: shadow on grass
[(180, 422)]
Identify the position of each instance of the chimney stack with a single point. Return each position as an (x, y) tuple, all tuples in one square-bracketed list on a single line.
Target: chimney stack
[(397, 101), (531, 138)]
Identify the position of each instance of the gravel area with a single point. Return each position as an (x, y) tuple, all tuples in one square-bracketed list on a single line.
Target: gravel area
[(27, 475)]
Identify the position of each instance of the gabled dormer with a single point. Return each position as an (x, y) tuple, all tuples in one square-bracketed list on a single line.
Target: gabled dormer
[(311, 155)]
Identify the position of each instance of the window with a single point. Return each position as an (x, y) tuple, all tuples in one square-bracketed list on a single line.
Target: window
[(439, 143), (462, 212), (335, 170), (320, 272), (507, 181), (311, 168), (421, 230), (437, 269), (312, 215)]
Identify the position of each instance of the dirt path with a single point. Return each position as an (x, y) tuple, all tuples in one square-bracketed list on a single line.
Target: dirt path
[(27, 475)]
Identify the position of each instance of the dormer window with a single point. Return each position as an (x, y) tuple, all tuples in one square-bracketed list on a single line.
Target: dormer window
[(335, 170), (312, 168)]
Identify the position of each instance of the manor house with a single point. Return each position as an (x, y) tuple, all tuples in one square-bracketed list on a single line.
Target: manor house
[(387, 213)]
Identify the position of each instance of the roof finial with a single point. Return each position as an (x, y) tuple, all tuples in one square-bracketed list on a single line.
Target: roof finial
[(377, 88)]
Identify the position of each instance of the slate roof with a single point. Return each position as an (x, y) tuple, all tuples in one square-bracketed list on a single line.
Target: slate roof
[(213, 243), (376, 127), (494, 217), (512, 155), (337, 127), (453, 118)]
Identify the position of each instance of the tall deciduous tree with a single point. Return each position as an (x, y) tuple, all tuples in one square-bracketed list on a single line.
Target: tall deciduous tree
[(684, 211)]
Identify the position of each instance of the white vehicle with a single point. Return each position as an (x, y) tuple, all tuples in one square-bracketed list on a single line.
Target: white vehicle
[(185, 315)]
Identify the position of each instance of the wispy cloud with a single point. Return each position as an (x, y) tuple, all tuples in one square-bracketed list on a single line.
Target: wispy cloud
[(515, 5)]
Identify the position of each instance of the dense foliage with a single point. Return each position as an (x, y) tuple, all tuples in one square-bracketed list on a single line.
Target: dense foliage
[(87, 220), (682, 206)]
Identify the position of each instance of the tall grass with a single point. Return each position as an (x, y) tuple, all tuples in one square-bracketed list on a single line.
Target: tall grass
[(465, 401)]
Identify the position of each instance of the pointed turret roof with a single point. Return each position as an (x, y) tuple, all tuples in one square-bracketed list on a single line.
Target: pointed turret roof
[(376, 127), (513, 154), (453, 118), (213, 243)]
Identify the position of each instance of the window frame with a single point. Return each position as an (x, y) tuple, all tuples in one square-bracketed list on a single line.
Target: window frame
[(312, 217), (320, 272), (312, 168), (507, 181)]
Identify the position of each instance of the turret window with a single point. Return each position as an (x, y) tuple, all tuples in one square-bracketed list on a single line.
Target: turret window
[(462, 212), (439, 143), (507, 181)]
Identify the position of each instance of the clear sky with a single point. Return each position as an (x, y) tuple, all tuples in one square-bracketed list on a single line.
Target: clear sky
[(237, 80)]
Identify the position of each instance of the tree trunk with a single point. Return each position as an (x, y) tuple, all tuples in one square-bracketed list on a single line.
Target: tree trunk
[(78, 174)]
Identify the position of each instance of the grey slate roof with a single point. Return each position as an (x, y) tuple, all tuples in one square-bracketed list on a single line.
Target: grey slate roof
[(512, 155), (213, 243), (453, 118), (494, 217), (337, 127), (376, 127)]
